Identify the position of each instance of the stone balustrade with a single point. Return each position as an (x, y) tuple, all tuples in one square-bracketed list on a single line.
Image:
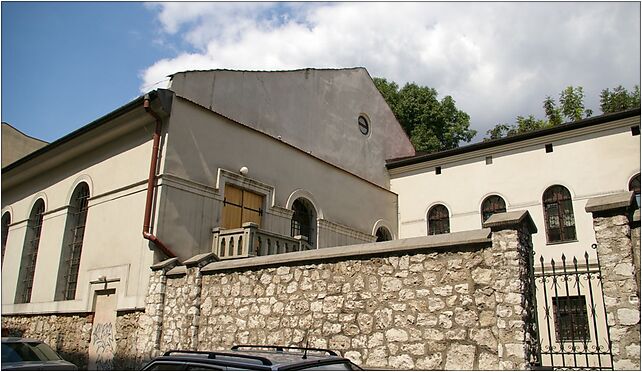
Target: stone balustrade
[(250, 241)]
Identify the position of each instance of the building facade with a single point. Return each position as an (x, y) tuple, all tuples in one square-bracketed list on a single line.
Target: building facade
[(242, 164)]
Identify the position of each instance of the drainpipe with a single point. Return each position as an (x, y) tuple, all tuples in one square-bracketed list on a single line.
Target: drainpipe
[(150, 183)]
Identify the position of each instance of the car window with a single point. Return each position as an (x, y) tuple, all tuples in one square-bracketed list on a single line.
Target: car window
[(19, 352), (44, 351)]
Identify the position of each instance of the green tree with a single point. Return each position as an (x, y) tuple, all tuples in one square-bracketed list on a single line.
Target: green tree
[(431, 124), (570, 107), (619, 99)]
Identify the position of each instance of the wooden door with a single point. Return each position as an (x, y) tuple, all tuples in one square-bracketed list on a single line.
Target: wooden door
[(240, 206)]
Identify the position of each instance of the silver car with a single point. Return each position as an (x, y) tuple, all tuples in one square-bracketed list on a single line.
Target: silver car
[(25, 354)]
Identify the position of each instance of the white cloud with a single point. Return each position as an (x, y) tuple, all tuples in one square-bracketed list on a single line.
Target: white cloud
[(498, 60)]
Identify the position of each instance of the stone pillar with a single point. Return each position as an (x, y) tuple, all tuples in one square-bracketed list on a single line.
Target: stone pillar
[(515, 314), (194, 282), (150, 325), (615, 254)]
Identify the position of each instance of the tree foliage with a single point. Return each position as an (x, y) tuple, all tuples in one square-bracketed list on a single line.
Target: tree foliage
[(570, 107), (619, 99), (432, 124)]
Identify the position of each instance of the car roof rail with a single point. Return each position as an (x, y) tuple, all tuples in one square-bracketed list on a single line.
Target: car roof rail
[(282, 348), (214, 354)]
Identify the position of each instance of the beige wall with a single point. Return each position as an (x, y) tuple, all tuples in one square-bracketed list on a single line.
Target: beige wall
[(589, 162), (113, 246), (313, 110), (204, 151), (16, 144)]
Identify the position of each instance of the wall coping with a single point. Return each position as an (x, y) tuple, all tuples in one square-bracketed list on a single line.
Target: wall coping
[(200, 258), (176, 271), (168, 263), (501, 221), (434, 242), (636, 216), (609, 202)]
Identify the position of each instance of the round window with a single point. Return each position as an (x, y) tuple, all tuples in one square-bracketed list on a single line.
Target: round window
[(364, 127)]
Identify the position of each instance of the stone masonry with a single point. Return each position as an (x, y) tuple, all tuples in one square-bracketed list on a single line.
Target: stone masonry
[(451, 306), (69, 334), (615, 252)]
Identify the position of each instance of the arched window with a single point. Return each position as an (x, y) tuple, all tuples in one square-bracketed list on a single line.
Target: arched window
[(72, 244), (383, 235), (438, 221), (558, 214), (30, 253), (6, 220), (634, 185), (304, 220), (491, 205)]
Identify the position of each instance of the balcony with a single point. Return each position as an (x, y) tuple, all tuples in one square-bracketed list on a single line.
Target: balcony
[(250, 241)]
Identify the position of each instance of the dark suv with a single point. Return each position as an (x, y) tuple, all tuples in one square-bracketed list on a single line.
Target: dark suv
[(253, 357)]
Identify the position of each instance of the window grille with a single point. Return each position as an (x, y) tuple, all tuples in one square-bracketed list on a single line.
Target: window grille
[(6, 220), (302, 220), (634, 185), (73, 242), (558, 214), (30, 253), (571, 319), (438, 220), (491, 205)]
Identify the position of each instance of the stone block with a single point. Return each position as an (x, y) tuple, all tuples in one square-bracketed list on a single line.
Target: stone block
[(460, 357), (401, 362), (628, 316)]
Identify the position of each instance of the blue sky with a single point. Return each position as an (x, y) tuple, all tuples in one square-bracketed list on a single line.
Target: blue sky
[(67, 64)]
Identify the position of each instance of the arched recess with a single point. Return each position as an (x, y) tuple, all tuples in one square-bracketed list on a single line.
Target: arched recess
[(304, 220), (634, 185), (491, 204), (559, 219), (438, 219), (84, 178), (72, 243), (6, 221), (30, 252), (380, 229), (301, 193)]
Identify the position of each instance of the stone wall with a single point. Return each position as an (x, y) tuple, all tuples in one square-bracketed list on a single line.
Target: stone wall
[(69, 334), (443, 303), (615, 251)]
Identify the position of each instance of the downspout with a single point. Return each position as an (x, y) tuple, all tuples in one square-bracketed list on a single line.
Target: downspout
[(150, 183)]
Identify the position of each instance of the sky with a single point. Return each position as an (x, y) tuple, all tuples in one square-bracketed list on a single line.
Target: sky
[(66, 64)]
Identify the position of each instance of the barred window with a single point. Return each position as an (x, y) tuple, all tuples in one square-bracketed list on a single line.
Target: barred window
[(558, 214), (634, 185), (303, 220), (571, 319), (72, 244), (491, 205), (383, 235), (438, 220), (6, 220), (30, 253)]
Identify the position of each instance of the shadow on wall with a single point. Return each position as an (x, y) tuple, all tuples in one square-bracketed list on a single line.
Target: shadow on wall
[(80, 359)]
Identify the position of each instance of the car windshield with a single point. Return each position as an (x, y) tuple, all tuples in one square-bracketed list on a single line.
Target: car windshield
[(27, 351)]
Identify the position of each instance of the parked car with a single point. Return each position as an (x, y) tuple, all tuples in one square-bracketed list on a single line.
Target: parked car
[(253, 357), (25, 354)]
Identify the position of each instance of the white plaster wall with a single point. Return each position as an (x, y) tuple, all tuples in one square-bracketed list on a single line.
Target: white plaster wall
[(113, 245), (588, 164), (201, 142)]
